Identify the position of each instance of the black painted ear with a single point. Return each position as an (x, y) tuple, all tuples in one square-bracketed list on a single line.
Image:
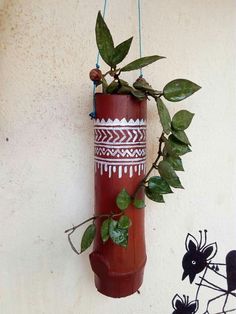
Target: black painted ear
[(177, 302), (193, 306), (210, 251), (191, 243)]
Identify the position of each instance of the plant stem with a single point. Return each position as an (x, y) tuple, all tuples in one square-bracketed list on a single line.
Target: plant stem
[(154, 165), (72, 230), (93, 218)]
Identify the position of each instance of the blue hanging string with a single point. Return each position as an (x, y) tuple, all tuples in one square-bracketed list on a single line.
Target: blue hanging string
[(93, 113), (140, 34)]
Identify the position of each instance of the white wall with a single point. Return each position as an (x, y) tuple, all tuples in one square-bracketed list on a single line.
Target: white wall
[(46, 51)]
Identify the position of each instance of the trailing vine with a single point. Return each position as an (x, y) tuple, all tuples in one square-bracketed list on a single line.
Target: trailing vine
[(173, 142)]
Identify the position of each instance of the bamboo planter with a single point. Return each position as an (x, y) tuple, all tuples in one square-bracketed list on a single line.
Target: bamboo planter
[(120, 154)]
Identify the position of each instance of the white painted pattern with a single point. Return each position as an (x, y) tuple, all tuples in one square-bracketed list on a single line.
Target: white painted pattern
[(120, 147)]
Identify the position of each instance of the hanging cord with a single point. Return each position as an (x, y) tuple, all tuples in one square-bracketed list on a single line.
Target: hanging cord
[(140, 34), (93, 113)]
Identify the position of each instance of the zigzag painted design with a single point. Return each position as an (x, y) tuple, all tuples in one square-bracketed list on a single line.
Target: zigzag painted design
[(122, 122), (107, 152), (120, 147)]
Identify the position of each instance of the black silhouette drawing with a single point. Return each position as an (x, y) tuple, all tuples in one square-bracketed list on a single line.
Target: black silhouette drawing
[(183, 306), (198, 258)]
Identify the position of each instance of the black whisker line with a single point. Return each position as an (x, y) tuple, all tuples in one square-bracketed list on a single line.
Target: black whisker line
[(200, 242), (226, 311), (210, 283), (202, 285), (218, 264), (205, 238), (218, 273), (204, 274)]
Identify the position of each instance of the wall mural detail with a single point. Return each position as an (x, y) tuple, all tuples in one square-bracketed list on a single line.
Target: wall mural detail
[(183, 306), (116, 139), (198, 259)]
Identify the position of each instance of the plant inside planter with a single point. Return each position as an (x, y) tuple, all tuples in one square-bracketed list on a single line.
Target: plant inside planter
[(113, 225)]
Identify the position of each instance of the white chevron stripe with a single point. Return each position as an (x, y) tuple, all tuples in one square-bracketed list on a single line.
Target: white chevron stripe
[(110, 135), (105, 135), (135, 135), (117, 136)]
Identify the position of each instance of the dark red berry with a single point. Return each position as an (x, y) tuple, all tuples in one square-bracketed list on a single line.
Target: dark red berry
[(95, 75)]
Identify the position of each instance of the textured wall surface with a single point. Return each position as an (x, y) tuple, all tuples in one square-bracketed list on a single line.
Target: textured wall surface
[(46, 151)]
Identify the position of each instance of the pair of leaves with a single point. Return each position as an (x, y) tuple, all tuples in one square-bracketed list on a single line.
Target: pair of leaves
[(175, 148), (157, 186), (116, 230), (110, 54), (123, 200), (114, 55), (175, 162), (168, 174), (160, 185), (179, 123)]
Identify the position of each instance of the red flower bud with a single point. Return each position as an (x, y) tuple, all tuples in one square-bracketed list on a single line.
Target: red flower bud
[(95, 75)]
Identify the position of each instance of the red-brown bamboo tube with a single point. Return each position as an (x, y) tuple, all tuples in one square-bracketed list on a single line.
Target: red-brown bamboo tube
[(120, 154)]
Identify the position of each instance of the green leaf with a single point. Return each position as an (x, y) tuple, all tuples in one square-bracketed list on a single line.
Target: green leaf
[(164, 116), (140, 63), (138, 94), (175, 148), (124, 222), (113, 87), (124, 90), (139, 203), (181, 136), (175, 162), (104, 40), (179, 89), (143, 85), (124, 83), (104, 85), (88, 237), (121, 51), (158, 185), (154, 196), (168, 173), (105, 230), (118, 236), (182, 120), (123, 199)]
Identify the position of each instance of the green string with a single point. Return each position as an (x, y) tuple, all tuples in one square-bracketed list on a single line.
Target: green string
[(140, 34)]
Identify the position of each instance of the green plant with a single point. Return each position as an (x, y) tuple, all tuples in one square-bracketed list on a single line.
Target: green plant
[(173, 142)]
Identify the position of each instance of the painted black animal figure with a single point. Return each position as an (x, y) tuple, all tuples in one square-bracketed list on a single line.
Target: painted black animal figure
[(198, 258), (183, 306), (198, 255)]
